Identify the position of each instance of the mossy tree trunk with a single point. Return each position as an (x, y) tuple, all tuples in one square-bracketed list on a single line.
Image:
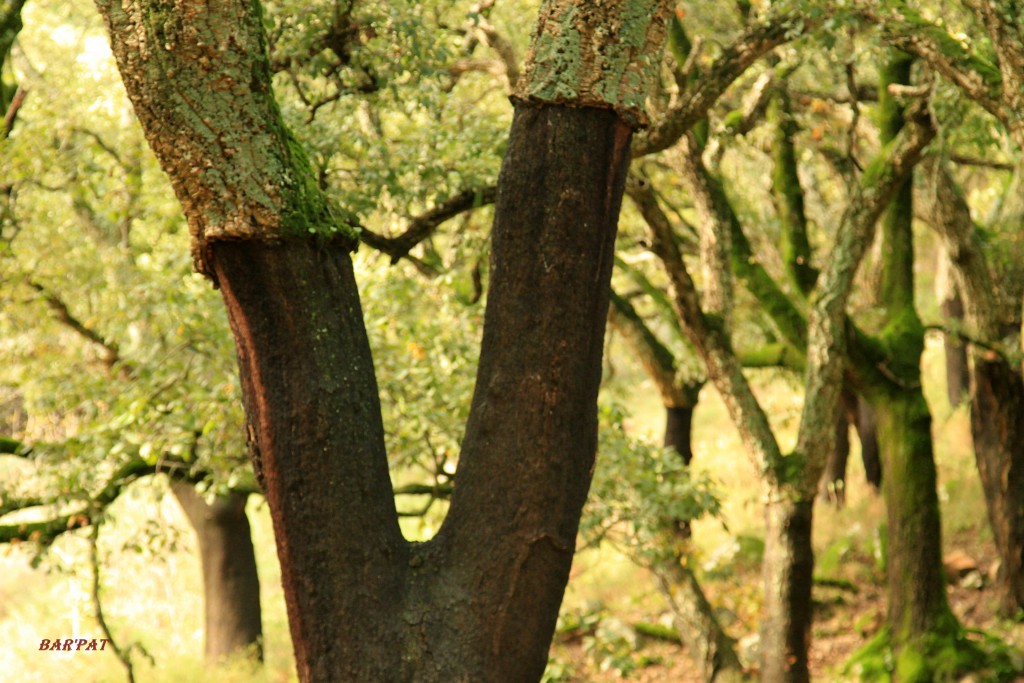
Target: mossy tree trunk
[(479, 601), (231, 584), (918, 609)]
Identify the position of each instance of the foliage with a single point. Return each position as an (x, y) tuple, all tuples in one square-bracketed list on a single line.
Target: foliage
[(642, 496)]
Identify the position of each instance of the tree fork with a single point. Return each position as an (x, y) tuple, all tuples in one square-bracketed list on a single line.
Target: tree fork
[(479, 601)]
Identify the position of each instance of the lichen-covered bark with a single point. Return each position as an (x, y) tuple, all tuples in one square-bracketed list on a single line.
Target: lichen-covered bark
[(198, 77), (699, 628), (987, 69), (593, 55), (714, 229), (480, 600), (792, 479), (693, 103)]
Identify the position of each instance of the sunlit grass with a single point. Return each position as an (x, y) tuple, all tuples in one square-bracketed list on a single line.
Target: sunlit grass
[(155, 601)]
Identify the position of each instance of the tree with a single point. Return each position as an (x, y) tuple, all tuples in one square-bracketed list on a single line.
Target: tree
[(479, 600), (987, 68)]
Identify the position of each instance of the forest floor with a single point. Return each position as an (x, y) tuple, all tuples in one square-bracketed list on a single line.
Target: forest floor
[(846, 617), (849, 608)]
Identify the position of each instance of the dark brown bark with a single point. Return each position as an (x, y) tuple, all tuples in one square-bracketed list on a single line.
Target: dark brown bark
[(479, 601), (314, 416), (530, 441), (678, 429), (231, 584), (998, 430), (318, 450), (788, 574)]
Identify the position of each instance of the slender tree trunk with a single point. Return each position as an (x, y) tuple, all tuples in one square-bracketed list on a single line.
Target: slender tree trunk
[(957, 373), (699, 629), (998, 430), (996, 386), (788, 574), (952, 305), (678, 429), (231, 584)]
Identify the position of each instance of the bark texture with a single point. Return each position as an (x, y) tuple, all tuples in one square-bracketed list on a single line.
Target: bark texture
[(231, 584), (996, 400), (699, 629)]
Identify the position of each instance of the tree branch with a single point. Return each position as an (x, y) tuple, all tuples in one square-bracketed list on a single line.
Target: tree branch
[(977, 76), (423, 226), (62, 313), (657, 360), (693, 104), (827, 325)]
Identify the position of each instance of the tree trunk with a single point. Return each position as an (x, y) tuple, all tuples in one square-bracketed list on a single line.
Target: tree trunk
[(699, 629), (957, 373), (832, 487), (919, 617), (917, 590), (998, 430), (678, 428), (231, 584), (479, 601), (788, 577), (948, 294)]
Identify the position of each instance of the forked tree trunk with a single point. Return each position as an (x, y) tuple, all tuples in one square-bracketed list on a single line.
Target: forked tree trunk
[(231, 584), (479, 601)]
